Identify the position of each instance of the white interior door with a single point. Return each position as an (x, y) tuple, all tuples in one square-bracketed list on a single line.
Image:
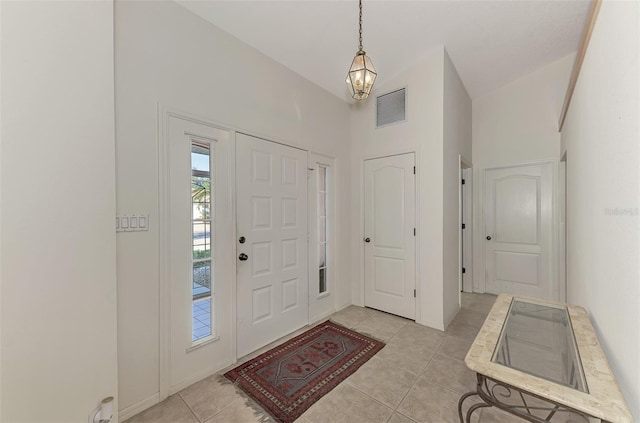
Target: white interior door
[(199, 262), (272, 278), (389, 230), (518, 231)]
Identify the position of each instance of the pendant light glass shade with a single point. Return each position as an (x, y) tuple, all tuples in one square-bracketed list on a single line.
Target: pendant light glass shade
[(361, 76)]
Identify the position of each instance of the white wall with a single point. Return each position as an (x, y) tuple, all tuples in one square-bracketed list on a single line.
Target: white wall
[(519, 122), (516, 124), (423, 134), (457, 141), (600, 137), (166, 54), (58, 207)]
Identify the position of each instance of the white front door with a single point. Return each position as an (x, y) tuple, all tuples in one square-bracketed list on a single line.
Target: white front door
[(389, 230), (518, 231), (272, 278), (199, 261)]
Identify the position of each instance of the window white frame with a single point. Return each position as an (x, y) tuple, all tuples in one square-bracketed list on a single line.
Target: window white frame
[(211, 148), (181, 362), (322, 304), (324, 224)]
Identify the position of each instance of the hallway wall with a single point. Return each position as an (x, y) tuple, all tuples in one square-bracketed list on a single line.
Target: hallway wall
[(437, 129), (422, 133), (58, 243), (457, 142), (515, 124), (518, 122), (601, 138)]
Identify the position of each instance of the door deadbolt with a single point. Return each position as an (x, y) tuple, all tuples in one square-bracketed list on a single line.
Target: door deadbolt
[(241, 240), (488, 237), (367, 239)]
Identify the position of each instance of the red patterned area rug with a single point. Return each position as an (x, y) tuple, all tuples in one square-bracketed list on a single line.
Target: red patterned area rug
[(291, 377)]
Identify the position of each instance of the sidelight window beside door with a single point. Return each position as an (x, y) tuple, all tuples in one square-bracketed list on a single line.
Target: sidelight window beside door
[(201, 227)]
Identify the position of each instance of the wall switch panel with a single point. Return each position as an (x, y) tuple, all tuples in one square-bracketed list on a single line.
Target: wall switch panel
[(132, 222)]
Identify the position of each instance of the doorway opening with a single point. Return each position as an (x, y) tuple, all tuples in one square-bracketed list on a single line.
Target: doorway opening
[(465, 227), (562, 219)]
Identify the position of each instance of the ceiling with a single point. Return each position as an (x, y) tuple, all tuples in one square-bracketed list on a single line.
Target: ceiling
[(490, 42)]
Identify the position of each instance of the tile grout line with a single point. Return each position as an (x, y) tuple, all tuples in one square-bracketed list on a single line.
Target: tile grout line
[(368, 396), (416, 381), (439, 350), (189, 408)]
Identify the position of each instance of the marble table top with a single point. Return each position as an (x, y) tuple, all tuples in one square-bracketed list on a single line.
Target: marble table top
[(604, 399)]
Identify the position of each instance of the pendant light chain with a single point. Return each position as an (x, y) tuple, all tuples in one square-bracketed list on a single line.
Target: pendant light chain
[(362, 74), (360, 23)]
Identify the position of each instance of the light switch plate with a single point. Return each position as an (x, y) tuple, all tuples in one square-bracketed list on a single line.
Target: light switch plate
[(134, 222)]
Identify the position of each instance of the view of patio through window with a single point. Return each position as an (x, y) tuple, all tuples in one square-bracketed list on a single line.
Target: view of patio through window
[(202, 251), (322, 227)]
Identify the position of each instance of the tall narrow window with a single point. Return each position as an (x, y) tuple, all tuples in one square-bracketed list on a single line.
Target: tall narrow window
[(201, 247), (322, 227)]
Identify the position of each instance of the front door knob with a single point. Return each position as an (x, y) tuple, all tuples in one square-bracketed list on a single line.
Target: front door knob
[(488, 237), (243, 257), (367, 239)]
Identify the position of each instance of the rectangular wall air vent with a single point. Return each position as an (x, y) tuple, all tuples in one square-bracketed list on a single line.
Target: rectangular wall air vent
[(391, 107)]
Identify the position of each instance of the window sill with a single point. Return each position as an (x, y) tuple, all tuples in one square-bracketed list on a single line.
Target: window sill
[(202, 342)]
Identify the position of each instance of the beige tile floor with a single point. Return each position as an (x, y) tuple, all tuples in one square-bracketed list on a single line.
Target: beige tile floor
[(417, 377)]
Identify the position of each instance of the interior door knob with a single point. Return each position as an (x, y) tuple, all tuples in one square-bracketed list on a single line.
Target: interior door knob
[(488, 237), (243, 257), (367, 239)]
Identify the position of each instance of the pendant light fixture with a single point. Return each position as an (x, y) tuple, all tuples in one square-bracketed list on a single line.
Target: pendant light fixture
[(362, 74)]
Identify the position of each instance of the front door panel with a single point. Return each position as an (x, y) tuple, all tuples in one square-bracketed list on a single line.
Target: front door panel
[(272, 282)]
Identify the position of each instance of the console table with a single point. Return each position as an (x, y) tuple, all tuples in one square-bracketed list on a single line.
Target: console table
[(541, 361)]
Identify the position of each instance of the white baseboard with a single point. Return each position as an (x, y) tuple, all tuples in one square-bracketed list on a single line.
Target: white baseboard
[(450, 319), (200, 376), (323, 316), (138, 407), (433, 325), (342, 307)]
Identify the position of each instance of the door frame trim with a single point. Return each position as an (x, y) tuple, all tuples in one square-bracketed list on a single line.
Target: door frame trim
[(361, 257), (562, 227), (164, 114), (330, 162), (479, 250), (357, 292), (463, 163)]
